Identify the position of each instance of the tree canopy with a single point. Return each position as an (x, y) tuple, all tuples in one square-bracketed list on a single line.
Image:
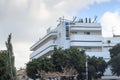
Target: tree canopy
[(32, 68), (114, 51), (70, 60), (96, 67), (60, 61), (115, 59), (3, 63)]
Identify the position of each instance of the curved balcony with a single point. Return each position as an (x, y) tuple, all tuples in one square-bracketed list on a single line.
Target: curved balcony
[(49, 46), (40, 53), (51, 34)]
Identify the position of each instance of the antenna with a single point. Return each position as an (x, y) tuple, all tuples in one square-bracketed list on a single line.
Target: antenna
[(59, 20), (113, 31), (89, 20), (85, 20), (81, 20), (94, 19), (74, 18), (62, 19)]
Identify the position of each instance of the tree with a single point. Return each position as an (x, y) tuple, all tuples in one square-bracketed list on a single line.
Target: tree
[(96, 67), (4, 68), (37, 65), (45, 64), (12, 68), (115, 65), (32, 68), (115, 50), (77, 60), (60, 61), (115, 59), (68, 60), (3, 63), (7, 69)]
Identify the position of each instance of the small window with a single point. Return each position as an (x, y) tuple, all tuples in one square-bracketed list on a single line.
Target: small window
[(87, 49), (108, 41), (74, 32), (67, 31), (54, 39)]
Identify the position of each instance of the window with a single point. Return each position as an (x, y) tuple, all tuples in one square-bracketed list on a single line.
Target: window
[(87, 49), (87, 33), (67, 31), (54, 39), (108, 41), (74, 32)]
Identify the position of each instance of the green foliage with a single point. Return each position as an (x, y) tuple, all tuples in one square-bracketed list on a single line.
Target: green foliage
[(3, 63), (77, 60), (32, 68), (40, 64), (96, 67), (115, 64), (65, 59), (7, 62), (45, 64), (114, 51), (60, 60), (4, 68), (115, 59)]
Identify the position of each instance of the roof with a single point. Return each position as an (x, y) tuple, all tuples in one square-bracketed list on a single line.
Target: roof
[(21, 72)]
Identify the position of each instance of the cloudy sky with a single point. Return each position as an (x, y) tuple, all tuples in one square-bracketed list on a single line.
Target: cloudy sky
[(28, 20)]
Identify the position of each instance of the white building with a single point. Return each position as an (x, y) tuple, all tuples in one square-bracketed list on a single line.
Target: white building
[(81, 34)]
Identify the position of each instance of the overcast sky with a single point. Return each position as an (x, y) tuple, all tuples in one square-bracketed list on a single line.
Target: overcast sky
[(28, 20)]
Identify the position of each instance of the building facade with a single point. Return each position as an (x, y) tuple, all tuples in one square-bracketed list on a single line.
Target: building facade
[(84, 35)]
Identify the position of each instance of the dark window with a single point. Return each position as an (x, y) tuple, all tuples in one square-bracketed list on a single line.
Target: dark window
[(67, 31), (87, 33), (108, 41)]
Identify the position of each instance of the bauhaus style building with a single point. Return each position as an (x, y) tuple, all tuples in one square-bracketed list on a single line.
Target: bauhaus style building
[(82, 34)]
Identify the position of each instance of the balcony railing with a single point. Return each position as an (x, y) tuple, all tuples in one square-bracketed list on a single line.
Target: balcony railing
[(104, 54), (43, 49), (76, 37), (86, 24), (84, 29), (86, 44), (41, 40)]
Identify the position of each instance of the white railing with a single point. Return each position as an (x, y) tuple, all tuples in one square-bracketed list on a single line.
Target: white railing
[(105, 54), (38, 53), (84, 29), (77, 37), (43, 48), (87, 24), (41, 40), (92, 44)]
